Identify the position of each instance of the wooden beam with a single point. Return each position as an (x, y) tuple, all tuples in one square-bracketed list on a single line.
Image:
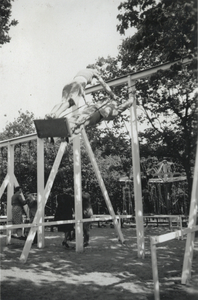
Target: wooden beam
[(40, 191), (54, 223), (18, 140), (135, 76), (10, 189), (173, 235), (136, 172), (58, 127), (78, 193), (154, 268)]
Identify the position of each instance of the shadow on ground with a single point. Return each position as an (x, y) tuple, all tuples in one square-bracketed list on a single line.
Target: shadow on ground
[(105, 270)]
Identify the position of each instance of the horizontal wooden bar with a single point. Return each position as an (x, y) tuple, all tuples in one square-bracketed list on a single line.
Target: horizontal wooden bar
[(165, 216), (108, 217), (172, 235), (25, 225), (135, 76), (119, 216), (18, 140)]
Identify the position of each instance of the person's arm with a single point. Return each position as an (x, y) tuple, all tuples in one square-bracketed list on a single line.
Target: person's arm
[(94, 114), (111, 110), (22, 202), (122, 107), (105, 86)]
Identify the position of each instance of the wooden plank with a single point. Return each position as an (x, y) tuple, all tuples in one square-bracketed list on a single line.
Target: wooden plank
[(172, 179), (52, 128), (172, 235), (164, 216), (54, 223), (19, 140)]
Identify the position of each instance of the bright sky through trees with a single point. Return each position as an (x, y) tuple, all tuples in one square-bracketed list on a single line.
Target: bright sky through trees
[(51, 43)]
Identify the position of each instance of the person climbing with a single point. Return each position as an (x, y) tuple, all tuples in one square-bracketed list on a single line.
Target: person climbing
[(75, 90), (91, 115)]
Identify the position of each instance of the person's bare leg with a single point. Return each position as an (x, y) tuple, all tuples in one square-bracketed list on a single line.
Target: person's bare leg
[(60, 108)]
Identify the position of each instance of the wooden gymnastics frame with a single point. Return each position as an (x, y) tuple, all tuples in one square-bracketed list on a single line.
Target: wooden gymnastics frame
[(43, 192)]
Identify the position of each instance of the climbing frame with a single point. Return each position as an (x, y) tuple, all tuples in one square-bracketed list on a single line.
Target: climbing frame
[(43, 192)]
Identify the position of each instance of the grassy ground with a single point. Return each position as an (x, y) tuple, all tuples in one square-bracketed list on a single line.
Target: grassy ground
[(106, 270)]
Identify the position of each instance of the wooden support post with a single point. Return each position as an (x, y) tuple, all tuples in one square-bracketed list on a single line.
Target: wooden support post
[(188, 256), (102, 185), (10, 189), (154, 268), (4, 185), (136, 172), (45, 195), (40, 191), (78, 193)]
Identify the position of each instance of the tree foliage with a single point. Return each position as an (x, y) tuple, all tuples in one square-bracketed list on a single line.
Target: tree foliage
[(165, 31), (5, 22), (22, 125)]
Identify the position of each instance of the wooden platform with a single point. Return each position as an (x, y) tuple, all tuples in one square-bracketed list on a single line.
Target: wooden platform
[(52, 128)]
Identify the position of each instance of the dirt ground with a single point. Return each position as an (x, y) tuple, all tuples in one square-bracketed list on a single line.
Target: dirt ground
[(106, 270)]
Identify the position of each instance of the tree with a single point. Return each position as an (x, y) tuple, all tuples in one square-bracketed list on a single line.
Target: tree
[(5, 22), (21, 126), (166, 31)]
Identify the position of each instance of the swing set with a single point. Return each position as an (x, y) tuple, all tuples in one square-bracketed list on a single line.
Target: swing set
[(61, 129)]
